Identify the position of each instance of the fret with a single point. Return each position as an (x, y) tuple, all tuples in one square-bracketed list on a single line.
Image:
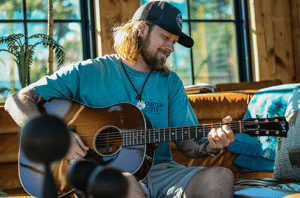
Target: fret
[(158, 135), (164, 135), (176, 137), (240, 122), (133, 138), (144, 137), (196, 129), (141, 138), (126, 138), (182, 133), (136, 138), (203, 131), (123, 142), (189, 132)]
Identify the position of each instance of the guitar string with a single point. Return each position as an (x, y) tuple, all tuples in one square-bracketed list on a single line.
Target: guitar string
[(154, 137), (207, 127), (168, 130)]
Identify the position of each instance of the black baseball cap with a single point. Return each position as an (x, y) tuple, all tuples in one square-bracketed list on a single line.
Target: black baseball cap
[(165, 16)]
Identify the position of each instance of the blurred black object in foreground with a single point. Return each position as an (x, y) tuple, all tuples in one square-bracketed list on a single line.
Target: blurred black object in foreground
[(98, 181), (44, 139)]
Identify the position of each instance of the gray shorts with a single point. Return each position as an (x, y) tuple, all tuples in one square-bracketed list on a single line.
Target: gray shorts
[(168, 180)]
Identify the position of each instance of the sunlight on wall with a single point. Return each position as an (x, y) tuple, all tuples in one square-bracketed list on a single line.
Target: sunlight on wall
[(253, 35)]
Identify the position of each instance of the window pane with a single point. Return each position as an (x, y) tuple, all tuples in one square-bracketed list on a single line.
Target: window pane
[(38, 68), (11, 9), (37, 9), (69, 36), (9, 77), (215, 53), (66, 9), (180, 61), (212, 9), (180, 4)]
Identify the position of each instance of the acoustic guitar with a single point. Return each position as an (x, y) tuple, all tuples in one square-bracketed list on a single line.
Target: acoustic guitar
[(120, 136)]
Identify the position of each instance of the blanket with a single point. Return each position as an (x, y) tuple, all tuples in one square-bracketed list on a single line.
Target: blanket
[(253, 153)]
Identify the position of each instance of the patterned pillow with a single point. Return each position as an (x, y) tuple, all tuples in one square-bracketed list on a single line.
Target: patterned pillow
[(287, 161)]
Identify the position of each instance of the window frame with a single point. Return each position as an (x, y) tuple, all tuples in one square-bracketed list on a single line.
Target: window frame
[(87, 26), (242, 38)]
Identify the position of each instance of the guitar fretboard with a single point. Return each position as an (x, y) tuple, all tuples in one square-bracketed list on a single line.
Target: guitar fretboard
[(141, 137)]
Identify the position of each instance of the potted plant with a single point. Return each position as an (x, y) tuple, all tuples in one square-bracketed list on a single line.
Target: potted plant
[(23, 53)]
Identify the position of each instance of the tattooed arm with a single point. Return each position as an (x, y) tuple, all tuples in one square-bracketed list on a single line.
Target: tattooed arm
[(23, 105), (217, 140)]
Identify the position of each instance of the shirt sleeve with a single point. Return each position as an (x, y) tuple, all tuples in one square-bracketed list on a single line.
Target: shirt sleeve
[(63, 83), (180, 110)]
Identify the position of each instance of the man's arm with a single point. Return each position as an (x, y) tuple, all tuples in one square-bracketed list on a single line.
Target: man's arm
[(217, 140), (23, 105)]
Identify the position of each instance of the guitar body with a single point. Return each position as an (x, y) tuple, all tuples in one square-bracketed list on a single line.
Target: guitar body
[(93, 125)]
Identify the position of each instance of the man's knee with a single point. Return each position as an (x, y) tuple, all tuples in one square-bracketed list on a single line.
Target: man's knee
[(217, 174)]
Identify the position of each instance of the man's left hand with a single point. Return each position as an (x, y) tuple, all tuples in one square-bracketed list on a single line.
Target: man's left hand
[(220, 138)]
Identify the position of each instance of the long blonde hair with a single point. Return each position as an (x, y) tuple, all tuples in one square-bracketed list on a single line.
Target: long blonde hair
[(128, 42), (126, 39)]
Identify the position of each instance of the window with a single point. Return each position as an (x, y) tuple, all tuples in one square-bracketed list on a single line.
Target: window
[(220, 53), (72, 30)]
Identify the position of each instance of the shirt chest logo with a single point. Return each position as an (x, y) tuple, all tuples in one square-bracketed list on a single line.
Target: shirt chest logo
[(154, 107)]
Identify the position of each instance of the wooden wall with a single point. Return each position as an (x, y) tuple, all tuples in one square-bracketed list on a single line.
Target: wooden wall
[(109, 14), (274, 34)]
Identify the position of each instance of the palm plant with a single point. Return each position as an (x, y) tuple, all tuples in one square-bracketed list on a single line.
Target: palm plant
[(23, 52)]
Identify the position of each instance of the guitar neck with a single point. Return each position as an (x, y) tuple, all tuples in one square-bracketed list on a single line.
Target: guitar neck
[(148, 136)]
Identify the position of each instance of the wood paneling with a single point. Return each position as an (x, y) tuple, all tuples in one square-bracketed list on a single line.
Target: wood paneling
[(7, 124), (113, 13), (273, 35)]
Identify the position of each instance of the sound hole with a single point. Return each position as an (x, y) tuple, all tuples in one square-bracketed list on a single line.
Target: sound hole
[(108, 141)]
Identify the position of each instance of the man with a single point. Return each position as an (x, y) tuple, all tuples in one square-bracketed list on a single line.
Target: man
[(137, 74)]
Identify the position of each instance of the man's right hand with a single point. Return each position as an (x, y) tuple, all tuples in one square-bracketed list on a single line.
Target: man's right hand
[(77, 149)]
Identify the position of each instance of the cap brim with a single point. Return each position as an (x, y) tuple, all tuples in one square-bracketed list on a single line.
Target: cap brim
[(185, 40)]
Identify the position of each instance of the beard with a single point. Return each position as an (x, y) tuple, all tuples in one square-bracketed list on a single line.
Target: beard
[(152, 59)]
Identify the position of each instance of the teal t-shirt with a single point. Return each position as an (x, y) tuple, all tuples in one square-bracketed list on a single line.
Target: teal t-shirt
[(102, 82)]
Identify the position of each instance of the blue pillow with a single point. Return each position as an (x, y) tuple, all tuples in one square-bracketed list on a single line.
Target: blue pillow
[(249, 163), (266, 102)]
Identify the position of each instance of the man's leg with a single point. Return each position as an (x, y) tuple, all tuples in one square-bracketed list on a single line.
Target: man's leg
[(210, 182), (135, 190)]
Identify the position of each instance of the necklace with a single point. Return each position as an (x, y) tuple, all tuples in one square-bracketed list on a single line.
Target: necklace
[(140, 104)]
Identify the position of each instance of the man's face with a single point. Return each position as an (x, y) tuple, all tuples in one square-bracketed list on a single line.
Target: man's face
[(157, 47)]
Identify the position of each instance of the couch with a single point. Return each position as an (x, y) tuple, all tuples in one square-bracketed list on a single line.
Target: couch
[(209, 107)]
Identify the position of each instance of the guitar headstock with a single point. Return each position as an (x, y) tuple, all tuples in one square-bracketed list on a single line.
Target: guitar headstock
[(277, 126)]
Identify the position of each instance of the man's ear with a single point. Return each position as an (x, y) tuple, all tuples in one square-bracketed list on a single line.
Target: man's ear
[(143, 30)]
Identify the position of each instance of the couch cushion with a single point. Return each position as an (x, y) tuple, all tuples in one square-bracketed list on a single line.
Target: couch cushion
[(9, 148), (213, 107)]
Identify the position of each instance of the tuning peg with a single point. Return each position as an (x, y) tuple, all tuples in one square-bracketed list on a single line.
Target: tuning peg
[(277, 115), (257, 116), (258, 139)]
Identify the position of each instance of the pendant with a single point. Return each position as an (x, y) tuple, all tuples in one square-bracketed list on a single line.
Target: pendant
[(141, 105)]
